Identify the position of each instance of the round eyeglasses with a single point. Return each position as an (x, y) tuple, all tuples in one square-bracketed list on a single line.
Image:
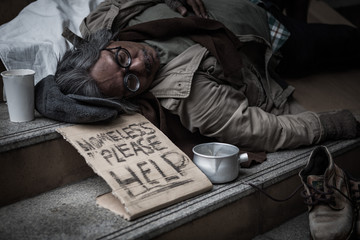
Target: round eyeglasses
[(123, 59)]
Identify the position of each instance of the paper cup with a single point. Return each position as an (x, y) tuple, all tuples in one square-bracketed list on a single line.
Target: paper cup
[(19, 92)]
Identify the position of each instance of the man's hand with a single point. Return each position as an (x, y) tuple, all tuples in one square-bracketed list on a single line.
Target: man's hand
[(197, 6)]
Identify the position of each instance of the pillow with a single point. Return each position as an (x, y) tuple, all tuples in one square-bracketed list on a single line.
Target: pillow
[(33, 39)]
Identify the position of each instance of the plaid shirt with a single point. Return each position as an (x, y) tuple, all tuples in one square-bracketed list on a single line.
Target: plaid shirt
[(279, 34)]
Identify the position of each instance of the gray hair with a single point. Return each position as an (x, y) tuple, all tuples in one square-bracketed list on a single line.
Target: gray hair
[(73, 70)]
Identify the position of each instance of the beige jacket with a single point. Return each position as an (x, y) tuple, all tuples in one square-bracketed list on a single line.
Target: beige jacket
[(251, 111)]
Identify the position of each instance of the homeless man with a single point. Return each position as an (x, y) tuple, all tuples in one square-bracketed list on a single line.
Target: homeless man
[(230, 92)]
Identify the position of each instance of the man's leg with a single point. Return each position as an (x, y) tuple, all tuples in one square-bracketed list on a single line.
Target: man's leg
[(316, 47), (297, 9)]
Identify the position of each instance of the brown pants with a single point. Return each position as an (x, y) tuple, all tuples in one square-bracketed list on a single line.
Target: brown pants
[(297, 9)]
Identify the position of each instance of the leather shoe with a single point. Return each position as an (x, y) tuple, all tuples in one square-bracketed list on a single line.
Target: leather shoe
[(355, 195), (327, 194)]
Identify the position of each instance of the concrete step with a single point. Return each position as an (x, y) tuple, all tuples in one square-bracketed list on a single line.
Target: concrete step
[(228, 211), (34, 158), (70, 212), (296, 228)]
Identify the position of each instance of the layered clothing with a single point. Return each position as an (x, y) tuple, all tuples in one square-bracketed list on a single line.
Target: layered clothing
[(252, 109)]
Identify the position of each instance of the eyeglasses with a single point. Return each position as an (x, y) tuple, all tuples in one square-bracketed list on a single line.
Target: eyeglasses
[(123, 59)]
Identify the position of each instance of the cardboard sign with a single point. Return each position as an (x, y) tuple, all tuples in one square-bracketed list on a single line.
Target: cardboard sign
[(144, 169)]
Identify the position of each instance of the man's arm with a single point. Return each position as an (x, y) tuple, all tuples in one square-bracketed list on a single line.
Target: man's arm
[(182, 7), (222, 112), (114, 15)]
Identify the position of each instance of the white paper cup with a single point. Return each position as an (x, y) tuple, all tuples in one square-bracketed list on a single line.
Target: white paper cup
[(19, 92)]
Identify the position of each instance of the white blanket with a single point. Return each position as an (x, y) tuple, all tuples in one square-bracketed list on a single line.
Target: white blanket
[(33, 39)]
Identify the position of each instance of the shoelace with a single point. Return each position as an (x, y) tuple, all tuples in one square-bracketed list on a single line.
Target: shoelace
[(320, 197), (355, 193), (317, 196), (355, 190), (271, 197)]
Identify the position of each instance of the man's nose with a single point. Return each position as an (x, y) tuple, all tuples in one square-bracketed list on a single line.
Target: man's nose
[(136, 64)]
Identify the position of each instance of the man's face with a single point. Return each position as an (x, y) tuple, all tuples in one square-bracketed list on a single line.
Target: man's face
[(109, 75)]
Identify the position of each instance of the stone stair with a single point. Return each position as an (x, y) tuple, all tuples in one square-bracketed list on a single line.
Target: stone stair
[(48, 192), (34, 158)]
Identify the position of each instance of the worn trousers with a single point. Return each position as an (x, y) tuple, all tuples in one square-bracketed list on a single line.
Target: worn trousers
[(314, 47)]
